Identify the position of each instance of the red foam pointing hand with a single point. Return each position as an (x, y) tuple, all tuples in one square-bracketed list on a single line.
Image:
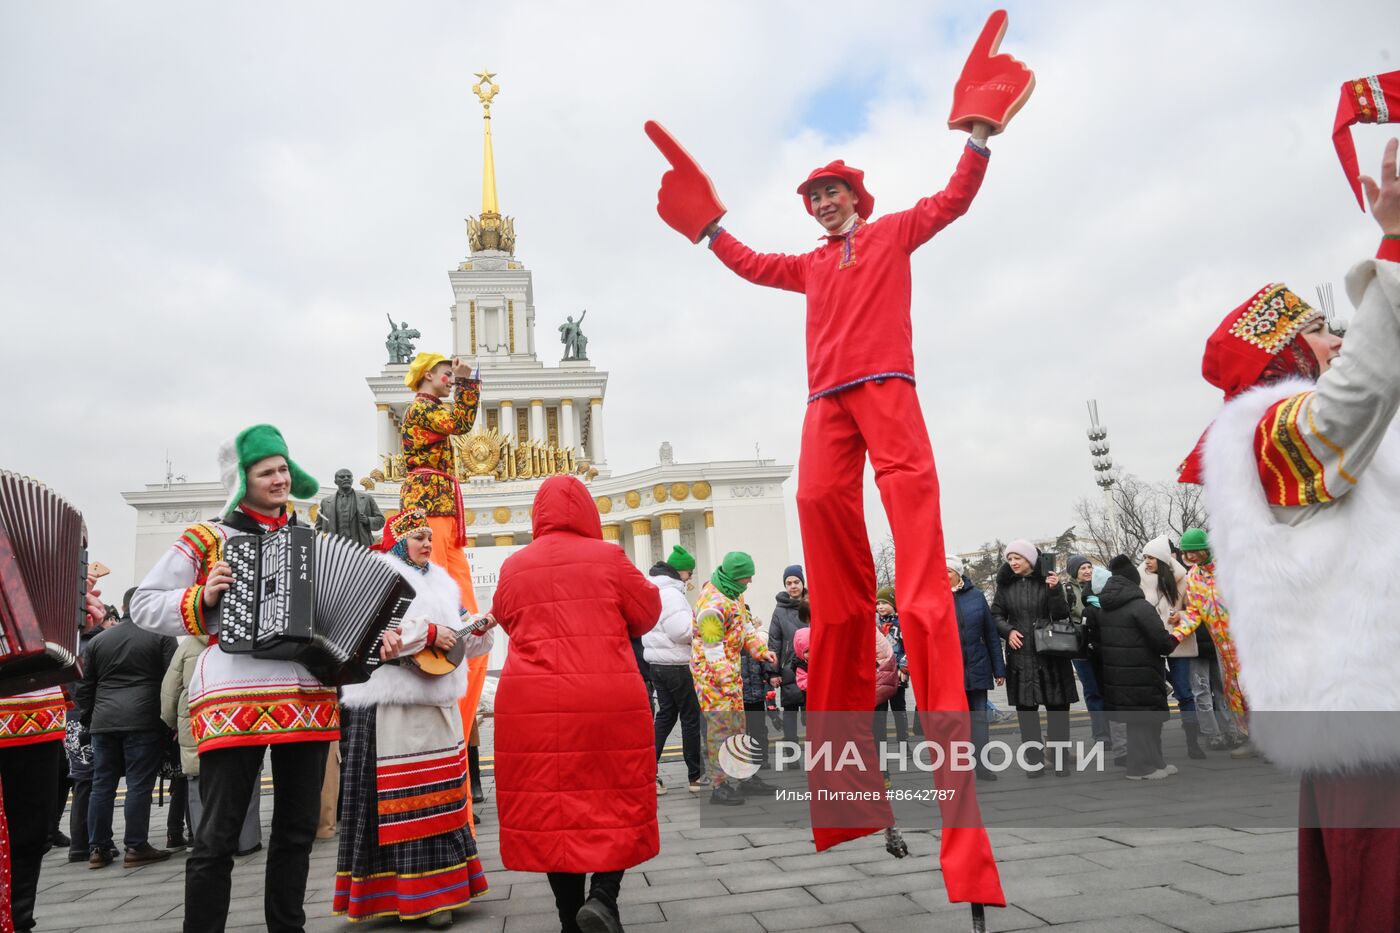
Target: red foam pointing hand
[(687, 200), (992, 87)]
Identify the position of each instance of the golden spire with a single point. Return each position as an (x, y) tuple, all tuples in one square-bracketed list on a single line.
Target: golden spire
[(491, 231), (486, 91)]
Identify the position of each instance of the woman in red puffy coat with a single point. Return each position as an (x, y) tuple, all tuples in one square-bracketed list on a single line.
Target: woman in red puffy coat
[(575, 760)]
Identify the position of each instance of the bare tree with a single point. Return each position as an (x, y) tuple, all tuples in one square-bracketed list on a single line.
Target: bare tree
[(1185, 508), (884, 562), (1135, 511), (982, 570)]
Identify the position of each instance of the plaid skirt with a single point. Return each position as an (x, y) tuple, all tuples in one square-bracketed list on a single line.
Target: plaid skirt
[(409, 879)]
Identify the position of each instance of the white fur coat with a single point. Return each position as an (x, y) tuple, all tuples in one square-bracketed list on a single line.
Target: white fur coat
[(437, 600), (1314, 606)]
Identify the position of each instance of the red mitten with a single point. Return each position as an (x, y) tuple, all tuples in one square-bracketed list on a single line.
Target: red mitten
[(991, 87), (687, 200)]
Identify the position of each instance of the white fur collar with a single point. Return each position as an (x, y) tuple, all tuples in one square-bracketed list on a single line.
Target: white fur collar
[(1311, 606), (438, 598)]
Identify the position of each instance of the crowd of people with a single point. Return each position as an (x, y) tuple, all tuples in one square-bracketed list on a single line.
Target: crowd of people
[(1151, 630)]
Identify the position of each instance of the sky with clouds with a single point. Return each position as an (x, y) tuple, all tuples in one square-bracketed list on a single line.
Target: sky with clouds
[(208, 211)]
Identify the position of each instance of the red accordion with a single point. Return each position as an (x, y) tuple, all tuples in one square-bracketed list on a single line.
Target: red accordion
[(43, 579)]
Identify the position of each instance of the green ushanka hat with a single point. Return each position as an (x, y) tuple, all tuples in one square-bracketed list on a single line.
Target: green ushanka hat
[(681, 559), (251, 445)]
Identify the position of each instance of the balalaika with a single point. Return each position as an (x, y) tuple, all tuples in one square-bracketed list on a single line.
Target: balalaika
[(319, 599), (43, 579)]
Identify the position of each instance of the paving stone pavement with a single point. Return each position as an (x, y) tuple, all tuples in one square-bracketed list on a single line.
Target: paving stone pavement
[(1076, 880)]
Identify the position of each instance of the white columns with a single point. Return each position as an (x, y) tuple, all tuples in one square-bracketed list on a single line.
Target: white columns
[(595, 431), (537, 430), (641, 543), (670, 532), (566, 424), (388, 432), (508, 419)]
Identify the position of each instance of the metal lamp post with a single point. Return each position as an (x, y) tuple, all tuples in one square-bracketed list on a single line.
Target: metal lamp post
[(1103, 467)]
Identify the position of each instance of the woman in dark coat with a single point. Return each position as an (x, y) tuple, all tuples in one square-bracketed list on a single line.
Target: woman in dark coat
[(781, 629), (981, 653), (1131, 643), (1023, 598), (575, 753)]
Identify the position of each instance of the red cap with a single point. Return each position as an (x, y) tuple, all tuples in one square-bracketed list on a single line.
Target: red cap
[(865, 201), (1374, 99)]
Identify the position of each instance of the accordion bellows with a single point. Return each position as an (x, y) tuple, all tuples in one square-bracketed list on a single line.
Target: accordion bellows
[(43, 578), (318, 599)]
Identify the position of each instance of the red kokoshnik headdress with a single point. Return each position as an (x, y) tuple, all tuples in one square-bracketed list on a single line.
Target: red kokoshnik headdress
[(1258, 342), (407, 522), (1373, 99)]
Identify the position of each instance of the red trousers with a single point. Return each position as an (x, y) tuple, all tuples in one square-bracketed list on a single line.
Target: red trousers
[(1349, 853), (884, 419)]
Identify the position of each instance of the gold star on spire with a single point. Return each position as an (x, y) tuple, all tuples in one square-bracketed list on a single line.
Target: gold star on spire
[(486, 89)]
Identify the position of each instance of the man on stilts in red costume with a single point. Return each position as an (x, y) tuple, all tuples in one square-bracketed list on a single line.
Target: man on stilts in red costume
[(860, 365), (1301, 470)]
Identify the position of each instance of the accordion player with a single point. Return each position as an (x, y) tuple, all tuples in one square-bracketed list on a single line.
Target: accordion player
[(43, 575)]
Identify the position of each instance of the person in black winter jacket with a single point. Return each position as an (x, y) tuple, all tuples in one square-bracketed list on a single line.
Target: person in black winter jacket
[(981, 653), (1024, 598), (1131, 643), (119, 700), (781, 628)]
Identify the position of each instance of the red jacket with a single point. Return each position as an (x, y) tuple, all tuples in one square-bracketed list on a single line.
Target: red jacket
[(858, 285), (575, 760)]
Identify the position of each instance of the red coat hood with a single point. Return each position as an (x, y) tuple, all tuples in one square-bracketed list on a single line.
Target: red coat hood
[(563, 504)]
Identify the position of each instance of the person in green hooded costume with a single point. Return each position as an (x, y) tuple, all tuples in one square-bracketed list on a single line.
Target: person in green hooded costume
[(724, 629)]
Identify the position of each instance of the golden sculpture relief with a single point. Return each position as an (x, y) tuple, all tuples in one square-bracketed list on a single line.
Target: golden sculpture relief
[(468, 517), (604, 505), (505, 540), (394, 468), (710, 519), (701, 489), (641, 526), (501, 515), (658, 492), (634, 499), (670, 521), (680, 491), (612, 532), (489, 453)]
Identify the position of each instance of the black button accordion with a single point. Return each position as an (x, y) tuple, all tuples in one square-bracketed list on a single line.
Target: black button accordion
[(319, 599), (43, 582)]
